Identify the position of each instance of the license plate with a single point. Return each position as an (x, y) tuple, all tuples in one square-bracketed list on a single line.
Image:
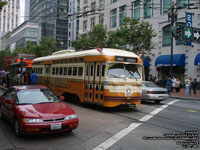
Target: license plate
[(56, 126)]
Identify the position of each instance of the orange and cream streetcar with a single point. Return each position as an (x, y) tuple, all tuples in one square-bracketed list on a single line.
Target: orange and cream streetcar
[(108, 77)]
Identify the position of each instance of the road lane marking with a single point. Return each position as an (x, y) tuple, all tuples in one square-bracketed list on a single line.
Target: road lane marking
[(190, 110), (118, 136)]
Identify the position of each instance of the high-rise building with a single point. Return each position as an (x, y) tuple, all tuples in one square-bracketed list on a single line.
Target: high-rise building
[(50, 14), (26, 10), (73, 21), (10, 15)]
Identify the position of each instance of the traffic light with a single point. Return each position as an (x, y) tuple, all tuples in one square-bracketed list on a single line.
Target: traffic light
[(179, 32)]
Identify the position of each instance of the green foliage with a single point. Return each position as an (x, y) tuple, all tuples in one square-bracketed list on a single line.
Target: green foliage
[(95, 38), (2, 55), (2, 4), (132, 35)]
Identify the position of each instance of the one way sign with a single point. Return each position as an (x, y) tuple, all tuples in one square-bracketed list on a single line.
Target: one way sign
[(196, 35)]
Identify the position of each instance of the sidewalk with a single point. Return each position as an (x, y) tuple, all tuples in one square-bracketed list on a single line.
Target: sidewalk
[(182, 95)]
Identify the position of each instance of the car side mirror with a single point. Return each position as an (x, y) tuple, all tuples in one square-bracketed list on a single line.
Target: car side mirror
[(62, 98), (9, 101)]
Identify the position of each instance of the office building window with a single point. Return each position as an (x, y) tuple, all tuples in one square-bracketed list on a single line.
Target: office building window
[(166, 35), (148, 7), (93, 6), (136, 9), (84, 25), (164, 6), (113, 1), (101, 19), (101, 4), (122, 14), (113, 18), (92, 22)]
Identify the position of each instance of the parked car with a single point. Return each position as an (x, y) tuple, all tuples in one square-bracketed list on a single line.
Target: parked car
[(152, 92), (36, 109)]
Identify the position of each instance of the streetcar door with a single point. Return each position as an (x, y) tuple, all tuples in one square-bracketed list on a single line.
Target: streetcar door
[(89, 81), (47, 74)]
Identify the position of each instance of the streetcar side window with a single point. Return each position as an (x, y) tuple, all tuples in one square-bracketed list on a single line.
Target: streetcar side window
[(80, 71), (87, 72), (53, 71), (61, 71), (65, 70), (98, 70), (91, 70), (57, 71), (74, 71), (103, 70), (70, 71)]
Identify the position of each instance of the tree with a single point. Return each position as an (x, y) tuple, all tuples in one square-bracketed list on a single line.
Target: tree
[(2, 4), (132, 35), (95, 38), (2, 55)]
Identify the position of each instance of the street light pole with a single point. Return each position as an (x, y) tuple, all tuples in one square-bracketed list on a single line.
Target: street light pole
[(172, 16)]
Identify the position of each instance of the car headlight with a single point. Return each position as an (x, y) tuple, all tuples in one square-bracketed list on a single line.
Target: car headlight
[(32, 120), (70, 117)]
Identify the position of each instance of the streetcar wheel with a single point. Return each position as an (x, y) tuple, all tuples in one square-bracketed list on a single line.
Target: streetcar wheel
[(17, 129)]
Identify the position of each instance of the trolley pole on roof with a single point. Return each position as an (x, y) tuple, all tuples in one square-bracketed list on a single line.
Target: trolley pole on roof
[(172, 16)]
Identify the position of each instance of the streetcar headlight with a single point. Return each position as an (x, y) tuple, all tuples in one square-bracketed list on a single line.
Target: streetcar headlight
[(32, 120), (70, 117)]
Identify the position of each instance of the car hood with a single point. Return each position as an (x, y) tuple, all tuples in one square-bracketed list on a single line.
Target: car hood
[(46, 110)]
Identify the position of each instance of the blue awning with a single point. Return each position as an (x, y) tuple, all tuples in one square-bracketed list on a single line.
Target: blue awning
[(197, 60), (146, 62), (164, 60)]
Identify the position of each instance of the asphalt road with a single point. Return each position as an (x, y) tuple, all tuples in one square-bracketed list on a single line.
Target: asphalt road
[(133, 128)]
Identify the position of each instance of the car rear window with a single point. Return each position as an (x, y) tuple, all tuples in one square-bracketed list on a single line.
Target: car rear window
[(149, 84)]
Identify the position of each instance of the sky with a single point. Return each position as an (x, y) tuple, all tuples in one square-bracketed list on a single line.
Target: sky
[(22, 6)]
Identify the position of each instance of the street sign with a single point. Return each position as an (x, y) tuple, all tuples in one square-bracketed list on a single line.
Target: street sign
[(196, 35), (188, 33)]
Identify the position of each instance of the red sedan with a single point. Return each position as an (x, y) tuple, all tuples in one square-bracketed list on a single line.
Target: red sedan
[(35, 109)]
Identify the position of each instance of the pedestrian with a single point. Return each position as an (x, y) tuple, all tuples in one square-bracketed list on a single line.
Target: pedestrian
[(178, 85), (187, 86), (29, 74), (194, 86), (169, 85), (173, 83), (33, 78), (25, 78), (191, 83)]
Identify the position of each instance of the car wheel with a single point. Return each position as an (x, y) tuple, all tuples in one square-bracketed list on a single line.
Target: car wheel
[(157, 102), (17, 129)]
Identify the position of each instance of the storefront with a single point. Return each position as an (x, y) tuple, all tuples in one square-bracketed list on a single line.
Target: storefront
[(163, 64)]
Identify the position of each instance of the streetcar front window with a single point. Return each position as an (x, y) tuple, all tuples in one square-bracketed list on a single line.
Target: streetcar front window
[(124, 71)]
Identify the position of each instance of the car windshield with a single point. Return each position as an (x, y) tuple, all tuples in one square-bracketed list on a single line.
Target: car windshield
[(124, 71), (150, 84), (36, 96)]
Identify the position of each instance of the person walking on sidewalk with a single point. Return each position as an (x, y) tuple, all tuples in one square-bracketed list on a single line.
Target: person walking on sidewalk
[(191, 83), (178, 85), (33, 78), (169, 85), (187, 86), (194, 86), (173, 83)]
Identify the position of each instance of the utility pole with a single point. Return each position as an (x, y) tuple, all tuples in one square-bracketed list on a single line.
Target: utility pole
[(172, 16)]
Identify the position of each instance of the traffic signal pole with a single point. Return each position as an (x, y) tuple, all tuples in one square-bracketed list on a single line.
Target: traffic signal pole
[(172, 16)]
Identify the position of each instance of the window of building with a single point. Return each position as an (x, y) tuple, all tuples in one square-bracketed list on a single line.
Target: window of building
[(122, 14), (65, 70), (84, 25), (148, 13), (92, 23), (164, 6), (136, 9), (113, 1), (101, 4), (69, 33), (61, 71), (57, 71), (85, 1), (93, 6), (181, 3), (101, 19), (113, 18), (166, 35)]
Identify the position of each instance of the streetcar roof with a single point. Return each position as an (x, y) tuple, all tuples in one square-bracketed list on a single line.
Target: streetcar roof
[(92, 52)]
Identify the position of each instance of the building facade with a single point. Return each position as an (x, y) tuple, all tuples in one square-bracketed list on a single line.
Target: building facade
[(28, 31), (110, 13), (5, 41), (73, 21), (51, 15), (10, 15), (26, 10)]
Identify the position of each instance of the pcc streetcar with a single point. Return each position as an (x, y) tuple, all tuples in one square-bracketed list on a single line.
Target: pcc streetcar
[(108, 77)]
